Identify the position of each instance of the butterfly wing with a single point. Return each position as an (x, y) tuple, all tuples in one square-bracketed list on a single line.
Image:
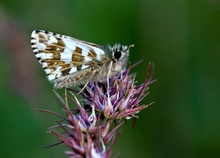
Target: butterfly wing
[(62, 55)]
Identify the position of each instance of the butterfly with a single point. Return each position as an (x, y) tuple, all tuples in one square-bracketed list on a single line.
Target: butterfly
[(68, 61)]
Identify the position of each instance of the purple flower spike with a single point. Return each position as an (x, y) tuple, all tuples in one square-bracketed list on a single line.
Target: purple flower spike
[(107, 105), (121, 99)]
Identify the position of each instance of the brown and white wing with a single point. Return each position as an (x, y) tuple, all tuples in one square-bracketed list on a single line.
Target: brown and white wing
[(62, 55)]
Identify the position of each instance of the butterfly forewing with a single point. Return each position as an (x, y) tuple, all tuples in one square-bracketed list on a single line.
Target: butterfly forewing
[(61, 55)]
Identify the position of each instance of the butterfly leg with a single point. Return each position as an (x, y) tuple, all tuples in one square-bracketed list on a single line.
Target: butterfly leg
[(66, 100), (108, 74), (90, 79)]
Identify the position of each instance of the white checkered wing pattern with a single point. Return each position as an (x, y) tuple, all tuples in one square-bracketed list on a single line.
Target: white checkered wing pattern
[(62, 55)]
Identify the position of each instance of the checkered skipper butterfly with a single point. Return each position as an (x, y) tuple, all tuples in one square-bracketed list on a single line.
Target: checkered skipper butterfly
[(71, 62)]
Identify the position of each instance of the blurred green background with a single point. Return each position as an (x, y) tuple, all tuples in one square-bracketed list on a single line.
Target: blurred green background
[(181, 37)]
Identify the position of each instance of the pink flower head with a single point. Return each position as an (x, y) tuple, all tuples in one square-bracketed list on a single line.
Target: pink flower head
[(89, 130)]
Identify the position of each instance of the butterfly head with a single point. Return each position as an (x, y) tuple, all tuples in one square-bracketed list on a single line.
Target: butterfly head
[(120, 53)]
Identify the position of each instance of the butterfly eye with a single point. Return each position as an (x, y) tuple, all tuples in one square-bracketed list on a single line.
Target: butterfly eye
[(117, 54)]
